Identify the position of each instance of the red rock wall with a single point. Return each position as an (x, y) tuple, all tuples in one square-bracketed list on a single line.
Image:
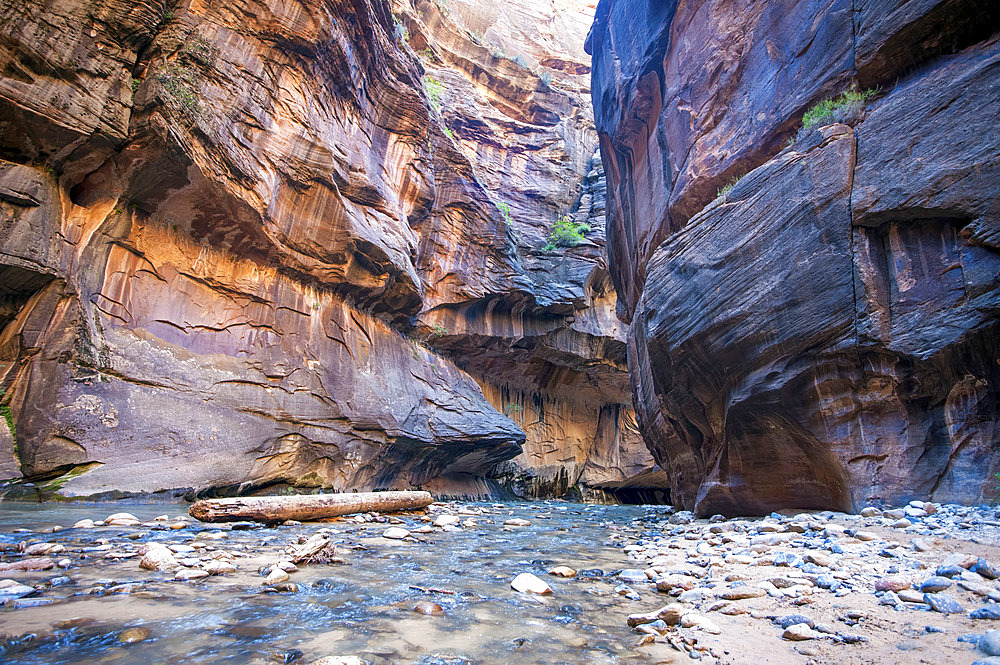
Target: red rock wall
[(825, 334), (240, 246)]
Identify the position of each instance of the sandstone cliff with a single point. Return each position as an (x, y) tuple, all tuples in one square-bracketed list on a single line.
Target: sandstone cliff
[(301, 243), (825, 334)]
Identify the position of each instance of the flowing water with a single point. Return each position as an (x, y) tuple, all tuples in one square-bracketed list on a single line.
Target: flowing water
[(363, 607)]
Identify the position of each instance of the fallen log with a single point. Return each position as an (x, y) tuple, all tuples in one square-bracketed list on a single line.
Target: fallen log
[(307, 507)]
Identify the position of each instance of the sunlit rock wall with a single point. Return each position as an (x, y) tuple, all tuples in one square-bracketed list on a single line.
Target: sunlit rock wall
[(826, 334), (240, 246)]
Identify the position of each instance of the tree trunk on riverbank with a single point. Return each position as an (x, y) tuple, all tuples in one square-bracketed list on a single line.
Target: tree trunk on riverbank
[(306, 507)]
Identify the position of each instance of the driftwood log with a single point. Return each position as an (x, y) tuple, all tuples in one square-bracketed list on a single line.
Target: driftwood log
[(306, 507)]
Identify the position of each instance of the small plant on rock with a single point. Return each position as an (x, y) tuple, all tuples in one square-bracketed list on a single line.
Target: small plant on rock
[(565, 233), (824, 112), (725, 189), (433, 88)]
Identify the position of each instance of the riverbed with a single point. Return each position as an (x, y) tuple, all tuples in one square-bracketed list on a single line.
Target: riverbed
[(624, 584)]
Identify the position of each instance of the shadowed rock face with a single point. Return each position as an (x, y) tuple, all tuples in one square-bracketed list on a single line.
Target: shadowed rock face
[(825, 334), (239, 245)]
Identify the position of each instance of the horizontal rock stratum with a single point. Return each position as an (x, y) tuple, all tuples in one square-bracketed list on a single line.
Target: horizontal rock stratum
[(824, 333)]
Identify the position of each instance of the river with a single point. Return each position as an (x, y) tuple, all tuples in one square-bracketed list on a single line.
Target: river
[(364, 607)]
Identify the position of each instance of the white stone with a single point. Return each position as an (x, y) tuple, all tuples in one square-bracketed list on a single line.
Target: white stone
[(528, 583), (158, 557), (799, 632), (276, 576), (395, 533)]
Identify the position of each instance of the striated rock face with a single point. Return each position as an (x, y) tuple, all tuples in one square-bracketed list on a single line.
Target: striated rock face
[(825, 334), (250, 244)]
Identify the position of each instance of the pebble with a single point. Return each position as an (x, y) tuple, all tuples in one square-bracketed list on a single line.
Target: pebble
[(395, 533), (428, 608), (893, 583), (943, 603), (189, 574), (693, 620), (990, 643), (935, 584), (340, 660), (799, 632), (741, 593), (633, 576), (528, 583), (562, 571), (988, 612), (133, 635), (219, 568), (157, 557), (516, 521), (275, 576)]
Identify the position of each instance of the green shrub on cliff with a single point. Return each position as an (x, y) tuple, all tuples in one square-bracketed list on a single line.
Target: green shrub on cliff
[(9, 417), (823, 113), (565, 233), (433, 88)]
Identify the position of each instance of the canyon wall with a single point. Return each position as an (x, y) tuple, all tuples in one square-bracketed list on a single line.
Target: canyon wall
[(303, 243), (813, 311)]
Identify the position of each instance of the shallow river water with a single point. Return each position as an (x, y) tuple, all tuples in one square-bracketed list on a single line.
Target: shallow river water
[(363, 607)]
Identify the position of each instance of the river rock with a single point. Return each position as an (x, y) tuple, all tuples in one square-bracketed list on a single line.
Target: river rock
[(446, 520), (989, 612), (989, 643), (190, 574), (741, 593), (275, 576), (429, 608), (528, 583), (910, 596), (871, 511), (935, 584), (39, 549), (395, 533), (562, 571), (893, 583), (340, 660), (122, 519), (943, 603), (158, 557), (516, 521), (84, 524), (219, 568), (799, 632), (134, 635), (694, 620), (985, 569)]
